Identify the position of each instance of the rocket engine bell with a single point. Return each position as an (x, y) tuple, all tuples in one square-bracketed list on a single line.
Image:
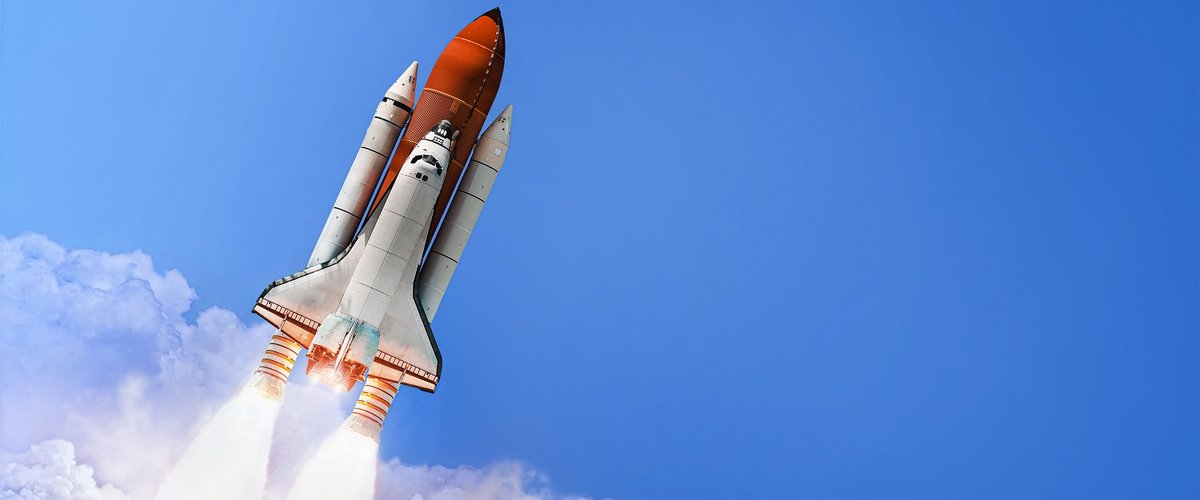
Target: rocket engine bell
[(390, 116), (342, 350)]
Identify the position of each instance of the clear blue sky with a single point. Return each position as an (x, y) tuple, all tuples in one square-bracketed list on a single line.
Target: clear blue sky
[(738, 250)]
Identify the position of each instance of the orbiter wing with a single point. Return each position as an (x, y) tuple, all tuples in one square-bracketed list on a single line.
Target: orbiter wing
[(297, 304)]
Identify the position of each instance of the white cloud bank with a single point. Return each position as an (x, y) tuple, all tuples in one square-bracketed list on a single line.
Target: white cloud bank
[(110, 370), (48, 470), (509, 480)]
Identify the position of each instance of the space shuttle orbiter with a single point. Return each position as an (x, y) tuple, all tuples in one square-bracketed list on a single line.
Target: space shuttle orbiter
[(363, 305)]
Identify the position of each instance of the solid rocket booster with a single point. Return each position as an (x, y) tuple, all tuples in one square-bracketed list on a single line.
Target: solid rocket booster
[(477, 181), (276, 365), (382, 135), (346, 342), (372, 407)]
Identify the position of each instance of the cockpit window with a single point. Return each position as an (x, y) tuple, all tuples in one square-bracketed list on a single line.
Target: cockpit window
[(430, 159)]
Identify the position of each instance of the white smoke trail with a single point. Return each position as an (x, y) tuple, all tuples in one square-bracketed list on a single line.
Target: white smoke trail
[(228, 459), (142, 372), (343, 467)]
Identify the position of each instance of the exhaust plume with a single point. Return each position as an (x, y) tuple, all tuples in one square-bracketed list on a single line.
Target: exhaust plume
[(228, 459), (343, 467)]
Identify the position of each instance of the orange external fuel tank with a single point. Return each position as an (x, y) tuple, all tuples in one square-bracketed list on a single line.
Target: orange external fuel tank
[(461, 88)]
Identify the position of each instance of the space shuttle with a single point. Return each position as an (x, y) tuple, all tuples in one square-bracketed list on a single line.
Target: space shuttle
[(363, 305)]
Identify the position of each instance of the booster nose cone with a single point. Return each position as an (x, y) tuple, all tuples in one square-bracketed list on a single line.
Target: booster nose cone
[(501, 128), (405, 87)]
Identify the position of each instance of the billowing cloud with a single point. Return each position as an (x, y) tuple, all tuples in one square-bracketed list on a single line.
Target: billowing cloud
[(108, 361), (510, 480), (112, 372), (48, 470)]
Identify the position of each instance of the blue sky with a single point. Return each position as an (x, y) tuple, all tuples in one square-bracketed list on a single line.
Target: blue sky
[(738, 250)]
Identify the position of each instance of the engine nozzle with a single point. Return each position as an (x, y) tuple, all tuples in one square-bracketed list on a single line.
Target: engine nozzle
[(342, 351)]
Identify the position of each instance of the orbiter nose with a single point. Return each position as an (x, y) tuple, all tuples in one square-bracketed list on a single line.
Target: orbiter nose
[(443, 129)]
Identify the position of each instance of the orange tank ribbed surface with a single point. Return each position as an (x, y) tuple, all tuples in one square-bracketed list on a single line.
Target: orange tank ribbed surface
[(461, 88)]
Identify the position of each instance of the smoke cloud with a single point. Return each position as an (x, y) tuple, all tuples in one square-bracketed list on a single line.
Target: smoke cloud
[(48, 470), (112, 375)]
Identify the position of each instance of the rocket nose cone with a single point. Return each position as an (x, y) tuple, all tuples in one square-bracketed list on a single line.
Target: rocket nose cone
[(501, 128), (411, 71), (487, 31), (406, 85), (495, 15)]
